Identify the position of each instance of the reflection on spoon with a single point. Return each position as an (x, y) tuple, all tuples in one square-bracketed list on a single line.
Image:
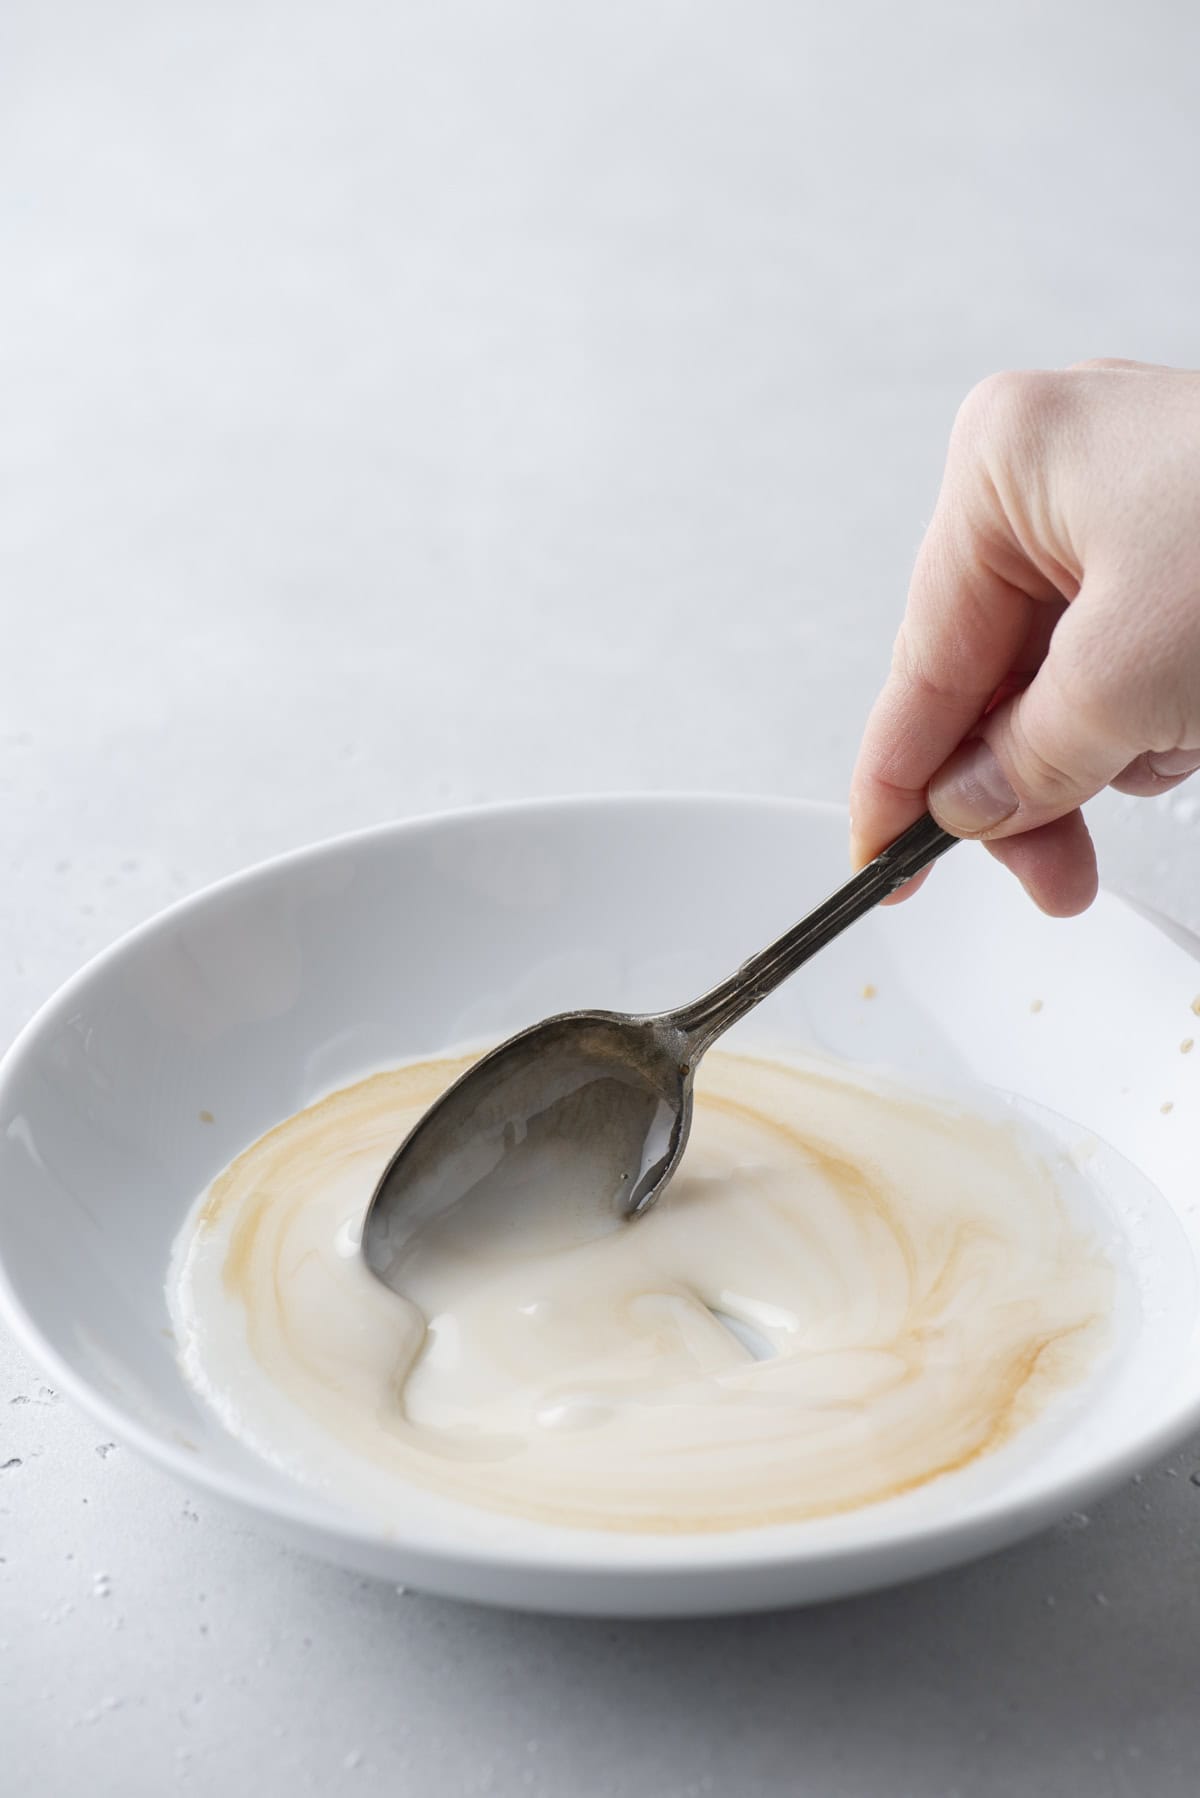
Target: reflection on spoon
[(600, 1102)]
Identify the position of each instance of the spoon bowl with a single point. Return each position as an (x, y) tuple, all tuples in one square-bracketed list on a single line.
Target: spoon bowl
[(594, 1103), (600, 1100)]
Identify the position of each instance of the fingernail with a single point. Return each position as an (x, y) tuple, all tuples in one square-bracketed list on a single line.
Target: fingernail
[(1173, 762), (971, 793)]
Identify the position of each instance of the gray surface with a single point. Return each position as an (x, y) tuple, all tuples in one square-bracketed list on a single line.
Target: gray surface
[(380, 379)]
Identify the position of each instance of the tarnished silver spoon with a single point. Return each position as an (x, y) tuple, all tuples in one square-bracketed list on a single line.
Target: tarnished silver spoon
[(597, 1103)]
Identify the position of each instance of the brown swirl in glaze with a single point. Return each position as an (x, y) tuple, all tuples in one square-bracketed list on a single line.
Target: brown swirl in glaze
[(907, 1275)]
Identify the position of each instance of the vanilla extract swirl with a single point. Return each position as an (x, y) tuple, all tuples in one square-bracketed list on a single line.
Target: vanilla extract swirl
[(847, 1291)]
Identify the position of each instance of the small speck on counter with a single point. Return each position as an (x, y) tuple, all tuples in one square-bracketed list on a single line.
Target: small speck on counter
[(102, 1709), (1035, 1005), (1187, 1045), (1196, 1005), (1166, 1106)]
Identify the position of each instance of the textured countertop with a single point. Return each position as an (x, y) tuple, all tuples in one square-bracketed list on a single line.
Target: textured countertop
[(410, 405)]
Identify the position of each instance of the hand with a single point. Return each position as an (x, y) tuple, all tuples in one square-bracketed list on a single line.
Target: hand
[(1051, 645)]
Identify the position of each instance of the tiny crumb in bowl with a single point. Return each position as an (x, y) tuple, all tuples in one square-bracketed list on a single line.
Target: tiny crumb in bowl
[(1196, 1005), (1035, 1005), (1187, 1045), (870, 990), (206, 1117), (1167, 1105)]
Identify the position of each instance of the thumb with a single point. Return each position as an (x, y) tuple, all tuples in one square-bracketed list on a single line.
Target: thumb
[(1041, 753)]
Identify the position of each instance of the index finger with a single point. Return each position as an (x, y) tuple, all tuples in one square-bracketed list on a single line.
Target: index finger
[(962, 635), (976, 605)]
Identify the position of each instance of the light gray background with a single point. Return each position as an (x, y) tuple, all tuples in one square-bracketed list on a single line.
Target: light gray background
[(411, 404)]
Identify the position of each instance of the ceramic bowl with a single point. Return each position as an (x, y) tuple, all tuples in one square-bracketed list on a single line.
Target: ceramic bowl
[(173, 1050)]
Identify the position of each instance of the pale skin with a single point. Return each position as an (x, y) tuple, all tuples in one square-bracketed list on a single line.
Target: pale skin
[(1051, 642)]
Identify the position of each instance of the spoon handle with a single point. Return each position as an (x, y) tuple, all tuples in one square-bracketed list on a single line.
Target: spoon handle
[(707, 1017)]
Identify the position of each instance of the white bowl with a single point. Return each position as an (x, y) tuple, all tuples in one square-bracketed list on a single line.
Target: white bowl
[(253, 998)]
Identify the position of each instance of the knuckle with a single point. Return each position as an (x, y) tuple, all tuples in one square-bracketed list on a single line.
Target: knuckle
[(1012, 406), (1040, 775), (1101, 364), (931, 687)]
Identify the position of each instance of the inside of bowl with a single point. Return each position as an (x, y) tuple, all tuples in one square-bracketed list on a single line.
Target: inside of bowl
[(191, 1038)]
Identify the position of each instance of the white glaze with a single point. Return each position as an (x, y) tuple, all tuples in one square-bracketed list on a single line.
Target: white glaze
[(909, 1270)]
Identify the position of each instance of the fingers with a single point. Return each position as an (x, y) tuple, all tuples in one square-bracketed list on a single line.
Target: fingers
[(962, 632), (1042, 753), (1155, 773), (978, 619), (1029, 659), (1115, 365), (1044, 623), (1056, 864), (1014, 694), (908, 889)]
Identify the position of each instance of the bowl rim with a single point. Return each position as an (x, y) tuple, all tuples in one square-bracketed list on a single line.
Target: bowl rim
[(568, 1551)]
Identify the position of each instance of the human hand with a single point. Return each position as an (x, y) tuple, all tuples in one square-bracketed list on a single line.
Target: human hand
[(1051, 644)]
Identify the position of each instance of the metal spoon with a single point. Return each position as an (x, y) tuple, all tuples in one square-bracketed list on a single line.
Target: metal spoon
[(597, 1102)]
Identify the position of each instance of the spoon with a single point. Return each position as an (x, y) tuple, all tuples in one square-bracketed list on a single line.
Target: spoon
[(598, 1103)]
